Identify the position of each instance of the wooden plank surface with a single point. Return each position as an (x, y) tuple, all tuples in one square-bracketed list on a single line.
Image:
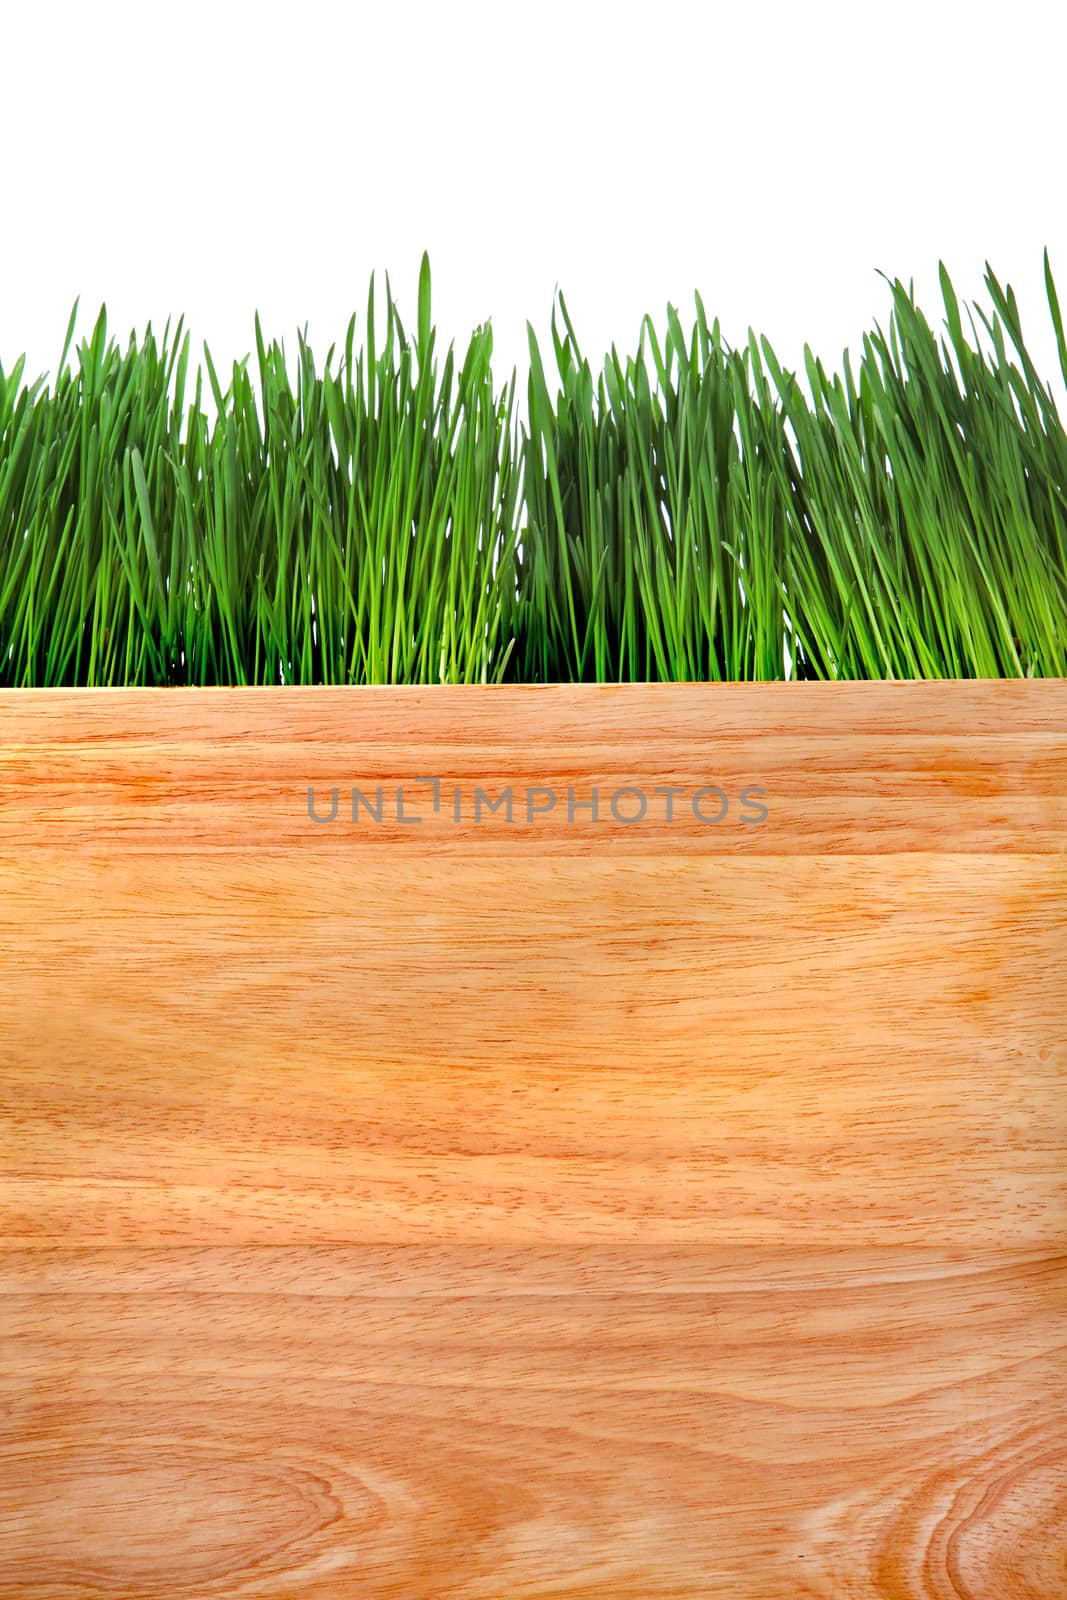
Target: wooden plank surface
[(592, 1209)]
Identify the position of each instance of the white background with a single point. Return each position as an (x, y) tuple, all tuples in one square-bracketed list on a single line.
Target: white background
[(216, 159)]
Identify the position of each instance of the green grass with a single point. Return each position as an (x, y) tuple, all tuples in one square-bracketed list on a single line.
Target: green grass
[(695, 513)]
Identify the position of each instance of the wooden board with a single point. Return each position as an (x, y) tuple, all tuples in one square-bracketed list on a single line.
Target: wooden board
[(595, 1209)]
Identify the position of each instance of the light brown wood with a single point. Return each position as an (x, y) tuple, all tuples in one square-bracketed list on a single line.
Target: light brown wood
[(496, 1211)]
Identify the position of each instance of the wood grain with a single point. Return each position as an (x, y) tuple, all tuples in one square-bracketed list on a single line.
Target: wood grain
[(498, 1211)]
